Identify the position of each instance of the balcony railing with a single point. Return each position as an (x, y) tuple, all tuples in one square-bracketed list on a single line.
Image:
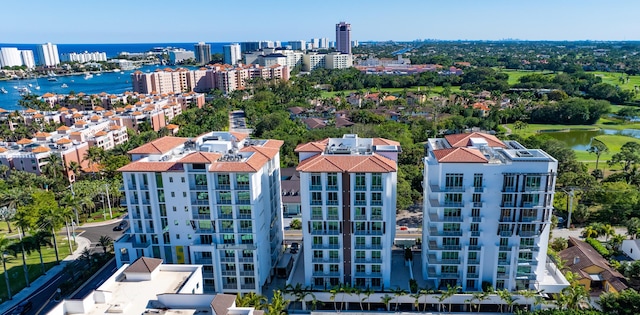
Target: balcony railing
[(534, 248), (325, 246), (368, 232), (199, 187), (505, 233), (529, 219), (225, 216), (473, 275), (242, 187), (247, 273), (223, 186), (229, 272), (528, 233), (532, 262), (360, 217), (376, 217), (203, 216), (227, 259), (316, 202), (333, 217), (245, 259), (503, 275), (230, 286), (251, 286), (315, 187), (332, 202), (435, 246), (372, 246), (203, 261), (505, 248), (360, 202), (475, 261), (368, 260), (475, 233), (376, 202), (503, 262), (376, 188), (332, 187), (434, 260), (249, 230), (474, 247), (316, 217), (478, 189), (360, 188), (202, 201), (322, 260)]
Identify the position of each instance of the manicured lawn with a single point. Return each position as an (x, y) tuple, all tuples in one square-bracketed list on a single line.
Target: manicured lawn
[(434, 90), (613, 78), (16, 273), (515, 75), (99, 216)]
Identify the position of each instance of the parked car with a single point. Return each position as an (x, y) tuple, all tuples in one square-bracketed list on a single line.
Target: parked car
[(122, 226), (22, 308)]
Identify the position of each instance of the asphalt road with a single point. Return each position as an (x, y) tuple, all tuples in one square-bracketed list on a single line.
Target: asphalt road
[(44, 299)]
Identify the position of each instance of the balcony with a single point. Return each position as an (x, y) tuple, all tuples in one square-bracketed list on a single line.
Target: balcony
[(321, 260), (376, 217), (507, 204), (360, 217), (195, 201), (135, 215), (527, 262), (203, 261), (245, 259), (435, 232), (434, 246), (433, 274), (325, 246), (478, 189), (474, 275), (436, 218), (225, 216), (243, 216), (243, 201), (247, 273), (376, 188), (473, 261), (368, 260), (376, 202), (325, 232), (368, 232), (317, 217), (203, 216), (245, 231), (503, 262), (207, 274), (475, 233), (502, 275), (360, 188), (533, 248), (528, 233), (433, 259), (223, 187), (250, 286), (360, 202), (505, 248), (231, 273), (332, 202), (199, 187), (505, 233), (316, 202), (227, 259), (226, 230), (529, 219), (315, 187), (476, 219), (230, 286), (477, 204), (368, 274), (332, 187), (242, 186), (372, 246), (506, 219), (509, 189), (474, 247)]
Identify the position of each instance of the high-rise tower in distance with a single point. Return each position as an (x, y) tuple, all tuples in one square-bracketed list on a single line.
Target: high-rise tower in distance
[(203, 53), (343, 37)]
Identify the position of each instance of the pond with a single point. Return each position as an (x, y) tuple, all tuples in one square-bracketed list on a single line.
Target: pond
[(580, 140)]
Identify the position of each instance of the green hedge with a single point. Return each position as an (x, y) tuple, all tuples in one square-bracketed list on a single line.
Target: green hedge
[(598, 247)]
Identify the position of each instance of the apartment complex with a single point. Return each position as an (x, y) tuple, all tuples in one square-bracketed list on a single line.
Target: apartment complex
[(11, 56), (343, 37), (335, 60), (84, 57), (213, 200), (226, 78), (487, 212), (232, 54), (48, 55), (348, 203), (203, 53)]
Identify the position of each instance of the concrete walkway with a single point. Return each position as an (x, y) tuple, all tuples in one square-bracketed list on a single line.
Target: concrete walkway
[(82, 244)]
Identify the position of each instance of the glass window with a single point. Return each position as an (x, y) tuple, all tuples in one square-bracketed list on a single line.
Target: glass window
[(453, 180), (223, 180), (332, 213), (242, 180), (361, 181), (332, 180), (477, 180), (376, 181), (316, 181)]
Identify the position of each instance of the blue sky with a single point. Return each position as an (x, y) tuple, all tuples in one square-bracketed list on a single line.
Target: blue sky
[(135, 21)]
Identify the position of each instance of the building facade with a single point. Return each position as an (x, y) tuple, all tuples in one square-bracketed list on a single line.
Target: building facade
[(343, 37), (48, 55), (487, 212), (213, 200), (232, 54), (203, 53), (11, 56), (348, 203), (84, 57)]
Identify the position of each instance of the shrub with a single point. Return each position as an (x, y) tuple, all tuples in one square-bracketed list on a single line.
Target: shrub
[(413, 286), (295, 224), (598, 247)]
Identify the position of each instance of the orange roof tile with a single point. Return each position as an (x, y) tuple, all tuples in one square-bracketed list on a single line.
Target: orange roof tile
[(47, 95), (201, 157), (383, 141), (100, 133), (2, 110), (63, 141), (24, 141), (459, 155), (63, 109), (139, 166), (76, 115), (76, 133), (172, 126), (464, 139), (129, 106), (108, 114), (81, 122), (114, 127), (2, 150), (317, 146), (98, 108), (63, 128), (41, 134), (373, 163), (95, 118), (136, 113), (239, 135), (38, 115), (159, 146), (31, 111), (40, 149)]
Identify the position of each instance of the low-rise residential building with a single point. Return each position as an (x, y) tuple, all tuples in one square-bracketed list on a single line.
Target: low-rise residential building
[(147, 286), (592, 270), (214, 200), (290, 192)]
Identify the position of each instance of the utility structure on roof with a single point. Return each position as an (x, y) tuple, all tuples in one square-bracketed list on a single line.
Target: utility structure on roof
[(348, 204)]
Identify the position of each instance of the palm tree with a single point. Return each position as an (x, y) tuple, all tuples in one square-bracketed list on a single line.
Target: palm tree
[(53, 219), (506, 296), (251, 299), (398, 292), (19, 247), (4, 248), (607, 230), (334, 292), (94, 155), (86, 255), (385, 299), (590, 231), (36, 241), (75, 168), (529, 294), (357, 291), (616, 241), (106, 242), (54, 165), (299, 292), (367, 294), (278, 304), (7, 214), (474, 297)]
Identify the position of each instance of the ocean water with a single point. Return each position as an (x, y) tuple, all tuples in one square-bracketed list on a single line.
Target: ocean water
[(110, 82), (113, 50)]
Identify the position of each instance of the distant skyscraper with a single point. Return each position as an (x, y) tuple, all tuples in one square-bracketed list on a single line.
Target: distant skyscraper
[(48, 55), (249, 46), (343, 37), (298, 44), (203, 53), (232, 54), (10, 57), (27, 58)]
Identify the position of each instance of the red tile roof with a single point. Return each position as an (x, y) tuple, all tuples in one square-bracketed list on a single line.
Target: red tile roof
[(144, 265), (464, 139), (159, 146), (239, 135), (200, 157), (317, 146), (460, 155), (373, 163), (139, 166), (383, 141)]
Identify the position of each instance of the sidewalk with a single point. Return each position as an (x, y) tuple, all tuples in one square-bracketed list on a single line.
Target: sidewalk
[(114, 220), (82, 243)]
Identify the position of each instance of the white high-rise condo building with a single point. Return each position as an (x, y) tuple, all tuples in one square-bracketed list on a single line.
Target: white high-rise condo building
[(48, 55), (348, 203), (27, 58), (203, 53), (298, 44), (487, 212), (213, 200), (232, 54), (343, 37), (10, 57)]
